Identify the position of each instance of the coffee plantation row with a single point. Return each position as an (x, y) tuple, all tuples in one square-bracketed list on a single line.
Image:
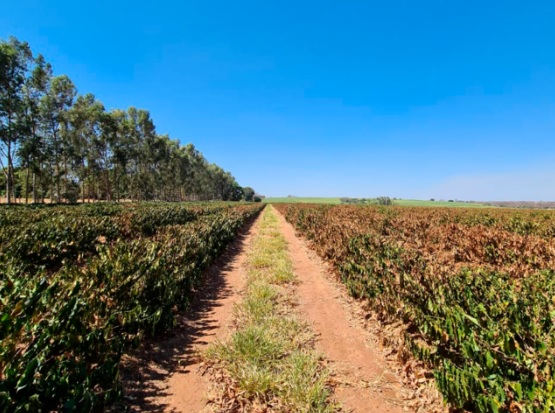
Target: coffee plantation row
[(474, 289), (81, 286), (47, 235)]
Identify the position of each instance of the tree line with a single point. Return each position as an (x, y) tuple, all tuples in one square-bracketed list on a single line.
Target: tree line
[(381, 200), (59, 145)]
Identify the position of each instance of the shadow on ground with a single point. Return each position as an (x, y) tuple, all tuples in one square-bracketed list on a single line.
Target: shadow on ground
[(145, 372)]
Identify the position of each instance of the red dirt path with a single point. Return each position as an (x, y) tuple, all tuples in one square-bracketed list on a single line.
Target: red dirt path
[(165, 376), (365, 383)]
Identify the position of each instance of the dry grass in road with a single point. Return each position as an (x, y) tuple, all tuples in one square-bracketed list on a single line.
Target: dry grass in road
[(269, 363)]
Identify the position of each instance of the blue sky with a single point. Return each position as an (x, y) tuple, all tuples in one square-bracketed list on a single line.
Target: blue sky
[(411, 99)]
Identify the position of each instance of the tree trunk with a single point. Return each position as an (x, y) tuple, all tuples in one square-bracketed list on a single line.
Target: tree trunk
[(107, 183), (57, 167), (58, 197), (27, 186), (9, 174), (83, 182), (8, 192), (34, 188), (116, 183), (65, 180)]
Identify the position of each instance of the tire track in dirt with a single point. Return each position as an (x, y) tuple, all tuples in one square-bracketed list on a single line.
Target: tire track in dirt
[(166, 375), (365, 384)]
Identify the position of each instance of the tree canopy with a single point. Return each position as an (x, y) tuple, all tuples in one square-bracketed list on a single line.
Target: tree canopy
[(57, 144)]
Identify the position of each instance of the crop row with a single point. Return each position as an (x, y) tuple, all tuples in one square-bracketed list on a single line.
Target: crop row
[(49, 235), (477, 301), (522, 222), (64, 332)]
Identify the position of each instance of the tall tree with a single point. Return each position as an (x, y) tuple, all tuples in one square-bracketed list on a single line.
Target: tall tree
[(89, 147), (15, 58), (54, 113), (248, 194), (32, 149), (73, 148), (117, 127)]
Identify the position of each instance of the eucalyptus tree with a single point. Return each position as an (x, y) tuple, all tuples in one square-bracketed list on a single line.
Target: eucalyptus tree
[(170, 169), (248, 194), (32, 147), (157, 158), (72, 147), (224, 186), (184, 173), (233, 191), (199, 186), (190, 172), (142, 133), (15, 60), (116, 131), (88, 149), (54, 107)]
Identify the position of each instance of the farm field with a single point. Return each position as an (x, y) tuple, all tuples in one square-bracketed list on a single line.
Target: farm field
[(80, 286), (400, 202), (279, 336), (200, 207), (422, 203), (303, 200), (473, 289), (468, 293)]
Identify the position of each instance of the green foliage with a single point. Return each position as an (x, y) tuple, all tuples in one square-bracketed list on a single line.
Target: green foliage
[(248, 194), (384, 200), (68, 147), (302, 200), (64, 326), (475, 290), (15, 61), (48, 236), (354, 201)]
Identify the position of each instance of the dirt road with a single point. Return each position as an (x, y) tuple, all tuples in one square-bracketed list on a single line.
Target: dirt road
[(364, 382), (167, 375)]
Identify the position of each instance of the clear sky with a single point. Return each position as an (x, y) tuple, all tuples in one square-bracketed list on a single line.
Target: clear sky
[(411, 99)]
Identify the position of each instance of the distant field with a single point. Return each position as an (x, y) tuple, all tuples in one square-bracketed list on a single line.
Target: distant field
[(299, 200), (416, 202), (402, 202)]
